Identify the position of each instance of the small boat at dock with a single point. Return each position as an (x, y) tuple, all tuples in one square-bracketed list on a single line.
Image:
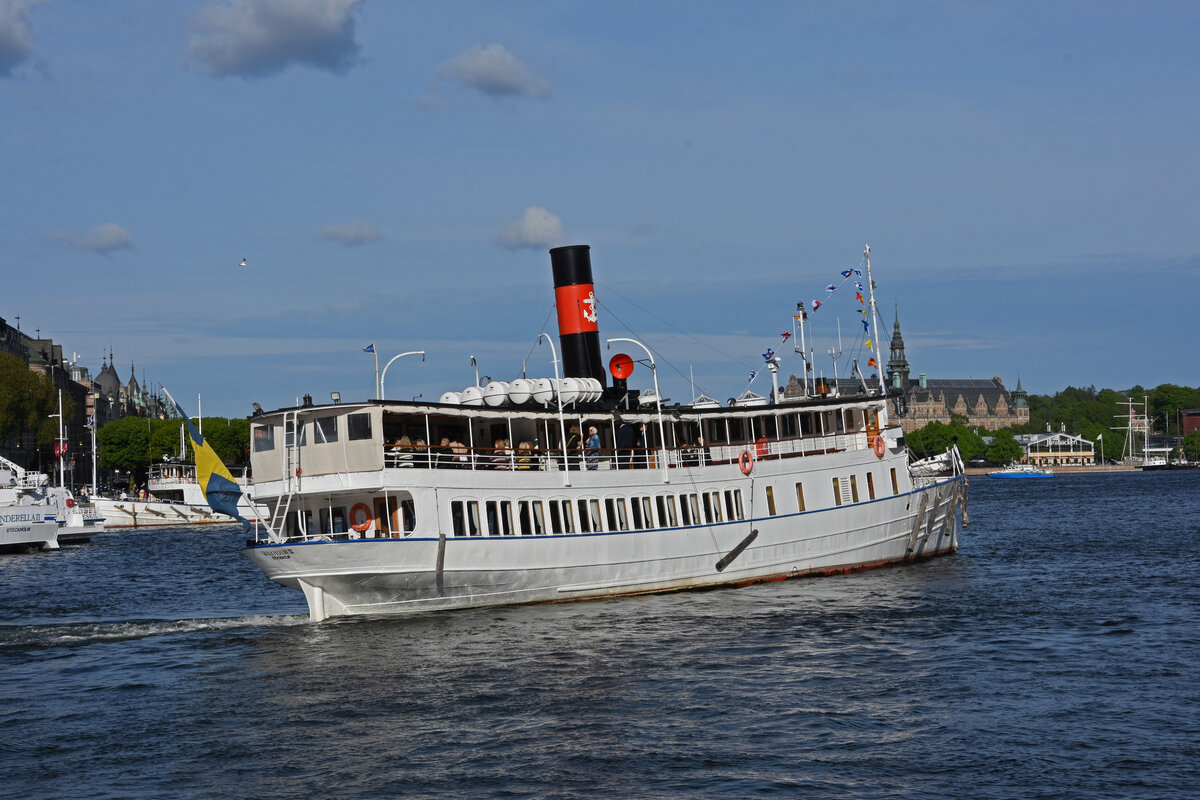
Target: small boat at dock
[(1021, 471)]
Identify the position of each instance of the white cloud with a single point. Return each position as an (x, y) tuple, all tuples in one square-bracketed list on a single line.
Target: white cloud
[(496, 72), (103, 239), (259, 38), (537, 227), (16, 42), (351, 234)]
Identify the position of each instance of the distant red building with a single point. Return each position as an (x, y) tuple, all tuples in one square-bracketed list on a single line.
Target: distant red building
[(1191, 420)]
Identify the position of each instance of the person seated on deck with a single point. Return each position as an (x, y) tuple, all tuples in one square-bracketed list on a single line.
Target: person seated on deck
[(403, 453), (525, 455), (460, 458), (500, 455), (442, 454)]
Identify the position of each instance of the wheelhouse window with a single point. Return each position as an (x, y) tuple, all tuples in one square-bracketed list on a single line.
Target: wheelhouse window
[(264, 438), (358, 426), (325, 430)]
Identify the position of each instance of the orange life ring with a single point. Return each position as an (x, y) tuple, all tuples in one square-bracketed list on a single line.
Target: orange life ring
[(360, 517), (879, 447), (746, 462)]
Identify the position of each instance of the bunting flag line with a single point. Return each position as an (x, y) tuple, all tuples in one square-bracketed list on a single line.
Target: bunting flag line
[(867, 344), (871, 362), (817, 304), (753, 375), (369, 348), (767, 356), (786, 335), (831, 288)]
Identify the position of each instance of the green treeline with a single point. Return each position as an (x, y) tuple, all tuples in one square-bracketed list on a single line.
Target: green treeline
[(1087, 412), (131, 444), (27, 400)]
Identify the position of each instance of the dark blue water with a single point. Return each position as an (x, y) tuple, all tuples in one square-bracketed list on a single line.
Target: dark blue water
[(1055, 656)]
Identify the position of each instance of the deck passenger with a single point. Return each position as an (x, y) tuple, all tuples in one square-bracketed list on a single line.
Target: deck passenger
[(500, 455), (574, 447), (592, 452), (403, 452), (525, 455), (442, 454)]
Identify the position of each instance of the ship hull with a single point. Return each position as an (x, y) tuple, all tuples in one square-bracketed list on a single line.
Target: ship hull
[(413, 574)]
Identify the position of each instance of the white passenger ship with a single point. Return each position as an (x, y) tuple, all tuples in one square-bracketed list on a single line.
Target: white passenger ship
[(369, 514)]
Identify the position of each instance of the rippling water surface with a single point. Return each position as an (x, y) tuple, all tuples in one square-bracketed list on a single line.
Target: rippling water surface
[(1054, 656)]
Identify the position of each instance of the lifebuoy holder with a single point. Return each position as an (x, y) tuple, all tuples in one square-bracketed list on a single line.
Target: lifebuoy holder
[(746, 462), (360, 517), (879, 447)]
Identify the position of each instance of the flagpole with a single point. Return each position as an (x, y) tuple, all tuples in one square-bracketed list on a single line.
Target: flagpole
[(376, 351)]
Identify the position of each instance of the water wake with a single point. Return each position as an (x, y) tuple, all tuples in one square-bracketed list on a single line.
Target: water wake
[(84, 633)]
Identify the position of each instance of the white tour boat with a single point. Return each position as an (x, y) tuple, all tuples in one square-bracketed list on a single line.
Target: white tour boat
[(174, 499), (370, 514), (27, 497)]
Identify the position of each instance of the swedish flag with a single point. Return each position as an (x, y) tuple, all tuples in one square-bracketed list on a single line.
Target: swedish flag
[(220, 489)]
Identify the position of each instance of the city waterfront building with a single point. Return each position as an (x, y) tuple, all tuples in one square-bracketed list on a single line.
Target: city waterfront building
[(984, 404)]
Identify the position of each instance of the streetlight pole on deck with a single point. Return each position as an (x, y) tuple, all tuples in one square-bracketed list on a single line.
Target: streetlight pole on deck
[(662, 437), (383, 377)]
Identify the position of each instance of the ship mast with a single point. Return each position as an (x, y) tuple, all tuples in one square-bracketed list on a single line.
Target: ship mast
[(874, 327)]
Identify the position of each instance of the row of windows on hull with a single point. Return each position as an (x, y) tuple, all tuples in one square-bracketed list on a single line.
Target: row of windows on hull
[(593, 515), (396, 515)]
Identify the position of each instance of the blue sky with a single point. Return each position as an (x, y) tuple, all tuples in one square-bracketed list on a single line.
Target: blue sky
[(1025, 173)]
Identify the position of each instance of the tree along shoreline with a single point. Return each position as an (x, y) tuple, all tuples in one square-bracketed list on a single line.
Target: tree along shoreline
[(1087, 412)]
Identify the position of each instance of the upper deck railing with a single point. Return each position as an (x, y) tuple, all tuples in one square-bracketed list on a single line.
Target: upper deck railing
[(491, 458)]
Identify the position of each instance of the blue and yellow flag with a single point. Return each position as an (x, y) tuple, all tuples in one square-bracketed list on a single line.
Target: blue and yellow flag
[(220, 489)]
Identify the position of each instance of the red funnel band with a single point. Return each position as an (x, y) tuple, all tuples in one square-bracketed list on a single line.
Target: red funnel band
[(576, 309)]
